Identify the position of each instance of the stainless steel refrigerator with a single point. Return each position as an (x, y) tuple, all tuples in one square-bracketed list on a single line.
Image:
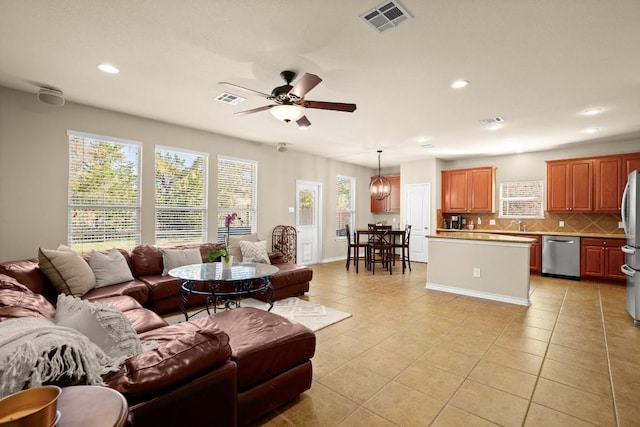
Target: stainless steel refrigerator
[(631, 221)]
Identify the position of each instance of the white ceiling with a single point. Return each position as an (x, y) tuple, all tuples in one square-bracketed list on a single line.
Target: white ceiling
[(537, 63)]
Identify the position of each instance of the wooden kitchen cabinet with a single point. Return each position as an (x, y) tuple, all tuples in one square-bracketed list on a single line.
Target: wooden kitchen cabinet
[(469, 190), (570, 185), (630, 162), (535, 255), (608, 184), (389, 204), (601, 259)]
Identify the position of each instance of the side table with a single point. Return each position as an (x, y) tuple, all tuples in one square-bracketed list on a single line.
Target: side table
[(84, 405)]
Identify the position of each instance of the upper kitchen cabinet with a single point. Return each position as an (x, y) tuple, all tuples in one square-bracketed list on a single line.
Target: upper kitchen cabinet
[(630, 163), (570, 185), (608, 184), (469, 190), (389, 204)]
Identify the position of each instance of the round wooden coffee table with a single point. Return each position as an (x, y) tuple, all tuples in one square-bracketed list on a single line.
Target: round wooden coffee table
[(84, 405)]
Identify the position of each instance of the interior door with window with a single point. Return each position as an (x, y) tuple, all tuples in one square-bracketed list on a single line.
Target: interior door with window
[(308, 208)]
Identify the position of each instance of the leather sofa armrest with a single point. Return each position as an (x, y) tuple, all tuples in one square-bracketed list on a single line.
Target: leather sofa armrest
[(184, 352), (276, 257)]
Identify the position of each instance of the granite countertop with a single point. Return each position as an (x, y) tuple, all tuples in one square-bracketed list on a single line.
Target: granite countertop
[(536, 233), (487, 237)]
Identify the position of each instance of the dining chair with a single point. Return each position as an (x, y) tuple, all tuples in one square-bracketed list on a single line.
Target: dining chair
[(353, 249), (404, 249), (379, 247)]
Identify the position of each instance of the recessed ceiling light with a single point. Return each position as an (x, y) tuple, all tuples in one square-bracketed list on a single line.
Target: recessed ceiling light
[(459, 84), (494, 126), (593, 111), (108, 68), (591, 130)]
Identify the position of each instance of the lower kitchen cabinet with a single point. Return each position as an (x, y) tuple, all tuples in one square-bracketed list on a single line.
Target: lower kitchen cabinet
[(601, 259), (535, 256)]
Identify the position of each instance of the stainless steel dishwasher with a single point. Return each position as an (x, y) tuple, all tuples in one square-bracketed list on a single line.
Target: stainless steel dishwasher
[(561, 256)]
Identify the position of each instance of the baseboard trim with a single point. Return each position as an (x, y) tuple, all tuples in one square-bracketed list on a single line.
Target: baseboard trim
[(479, 294)]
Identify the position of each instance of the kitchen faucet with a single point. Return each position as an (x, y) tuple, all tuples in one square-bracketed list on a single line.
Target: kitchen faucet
[(518, 223)]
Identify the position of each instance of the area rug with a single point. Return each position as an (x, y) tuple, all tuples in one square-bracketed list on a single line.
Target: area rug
[(313, 316)]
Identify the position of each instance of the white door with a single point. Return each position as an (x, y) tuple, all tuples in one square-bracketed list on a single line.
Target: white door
[(418, 215), (308, 208)]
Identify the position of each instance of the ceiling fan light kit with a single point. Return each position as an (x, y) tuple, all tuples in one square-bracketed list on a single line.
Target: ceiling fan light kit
[(379, 187), (287, 113)]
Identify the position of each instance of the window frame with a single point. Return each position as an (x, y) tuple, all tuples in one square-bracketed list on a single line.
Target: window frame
[(539, 198), (123, 240), (351, 212), (248, 214), (204, 208)]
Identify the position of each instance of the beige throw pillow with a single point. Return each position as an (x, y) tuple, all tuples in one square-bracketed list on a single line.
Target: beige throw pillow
[(67, 271), (254, 252), (105, 326), (233, 246), (173, 258), (110, 268)]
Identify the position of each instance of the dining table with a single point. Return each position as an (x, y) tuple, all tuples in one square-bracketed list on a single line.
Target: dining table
[(396, 233)]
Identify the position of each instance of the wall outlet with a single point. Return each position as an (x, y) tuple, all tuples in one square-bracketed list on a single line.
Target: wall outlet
[(492, 222), (292, 210), (476, 272), (561, 224), (620, 224), (479, 221), (464, 221)]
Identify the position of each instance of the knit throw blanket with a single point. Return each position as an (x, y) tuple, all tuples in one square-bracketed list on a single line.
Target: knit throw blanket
[(34, 351)]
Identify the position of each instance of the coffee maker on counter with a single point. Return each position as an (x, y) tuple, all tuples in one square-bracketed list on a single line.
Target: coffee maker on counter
[(456, 222)]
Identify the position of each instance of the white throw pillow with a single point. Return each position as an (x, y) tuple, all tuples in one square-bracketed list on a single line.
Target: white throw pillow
[(173, 258), (105, 326), (68, 272), (110, 268), (255, 252), (233, 245)]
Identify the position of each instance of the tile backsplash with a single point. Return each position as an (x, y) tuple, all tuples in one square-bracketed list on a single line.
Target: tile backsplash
[(605, 223)]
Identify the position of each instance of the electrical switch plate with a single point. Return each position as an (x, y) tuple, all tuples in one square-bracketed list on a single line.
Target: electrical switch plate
[(620, 224), (476, 272), (561, 224), (492, 222), (479, 221), (292, 210)]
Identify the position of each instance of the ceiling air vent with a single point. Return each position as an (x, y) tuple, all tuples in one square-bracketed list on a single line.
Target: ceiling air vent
[(491, 120), (229, 98), (386, 15)]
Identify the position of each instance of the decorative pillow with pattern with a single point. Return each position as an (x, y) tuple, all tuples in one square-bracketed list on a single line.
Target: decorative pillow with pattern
[(110, 268), (105, 326), (233, 245), (255, 252), (68, 272)]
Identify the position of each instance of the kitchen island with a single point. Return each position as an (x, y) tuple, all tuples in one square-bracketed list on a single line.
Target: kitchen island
[(482, 265)]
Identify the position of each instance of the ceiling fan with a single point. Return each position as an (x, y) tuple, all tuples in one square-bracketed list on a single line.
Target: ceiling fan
[(289, 100)]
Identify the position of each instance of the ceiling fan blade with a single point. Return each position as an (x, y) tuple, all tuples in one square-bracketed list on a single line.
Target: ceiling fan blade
[(304, 85), (303, 122), (255, 92), (254, 110), (337, 106)]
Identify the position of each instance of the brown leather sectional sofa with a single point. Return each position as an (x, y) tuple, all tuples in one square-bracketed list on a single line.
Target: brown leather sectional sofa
[(227, 369)]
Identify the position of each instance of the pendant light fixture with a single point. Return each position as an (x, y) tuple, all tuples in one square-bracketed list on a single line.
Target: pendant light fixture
[(379, 187)]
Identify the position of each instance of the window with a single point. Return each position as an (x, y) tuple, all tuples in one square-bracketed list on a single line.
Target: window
[(104, 192), (521, 199), (345, 205), (180, 196), (237, 188)]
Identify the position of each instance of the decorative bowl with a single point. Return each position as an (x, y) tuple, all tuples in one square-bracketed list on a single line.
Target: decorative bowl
[(34, 407)]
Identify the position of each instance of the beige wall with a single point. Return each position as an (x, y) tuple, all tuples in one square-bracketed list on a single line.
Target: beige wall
[(34, 167)]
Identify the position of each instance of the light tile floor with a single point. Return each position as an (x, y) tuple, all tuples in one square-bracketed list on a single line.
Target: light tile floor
[(415, 357)]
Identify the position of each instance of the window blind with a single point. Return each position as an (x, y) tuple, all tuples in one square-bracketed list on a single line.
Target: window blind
[(237, 191), (180, 196), (103, 193), (521, 199)]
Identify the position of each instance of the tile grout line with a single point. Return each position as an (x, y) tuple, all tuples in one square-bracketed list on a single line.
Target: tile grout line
[(606, 347)]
